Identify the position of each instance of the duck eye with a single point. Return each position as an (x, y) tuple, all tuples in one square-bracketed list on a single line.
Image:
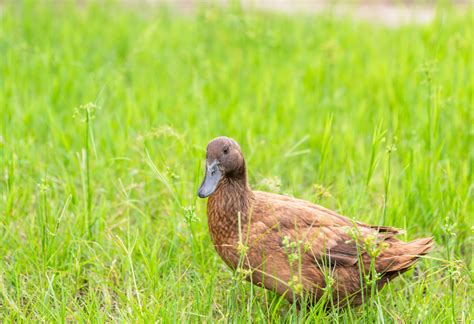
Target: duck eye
[(226, 150)]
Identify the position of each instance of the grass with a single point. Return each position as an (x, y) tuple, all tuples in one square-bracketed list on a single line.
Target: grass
[(106, 112)]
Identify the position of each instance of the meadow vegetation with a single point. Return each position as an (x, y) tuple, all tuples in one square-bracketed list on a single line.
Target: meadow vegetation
[(106, 112)]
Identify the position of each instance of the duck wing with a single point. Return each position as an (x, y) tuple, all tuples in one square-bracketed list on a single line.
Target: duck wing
[(329, 238)]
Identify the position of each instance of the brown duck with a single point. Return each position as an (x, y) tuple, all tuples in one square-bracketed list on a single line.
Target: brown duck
[(296, 248)]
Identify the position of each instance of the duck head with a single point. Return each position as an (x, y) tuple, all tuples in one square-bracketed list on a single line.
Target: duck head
[(224, 161)]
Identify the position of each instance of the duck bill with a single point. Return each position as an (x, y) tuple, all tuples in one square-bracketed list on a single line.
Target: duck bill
[(211, 180)]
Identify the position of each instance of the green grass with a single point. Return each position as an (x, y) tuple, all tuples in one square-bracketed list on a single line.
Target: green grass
[(106, 113)]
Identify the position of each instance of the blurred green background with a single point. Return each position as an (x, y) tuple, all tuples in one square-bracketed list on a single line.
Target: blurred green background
[(107, 108)]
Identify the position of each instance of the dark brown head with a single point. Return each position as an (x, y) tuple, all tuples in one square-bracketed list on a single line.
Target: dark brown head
[(224, 160)]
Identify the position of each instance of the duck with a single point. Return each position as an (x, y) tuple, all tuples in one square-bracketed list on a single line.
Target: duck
[(301, 251)]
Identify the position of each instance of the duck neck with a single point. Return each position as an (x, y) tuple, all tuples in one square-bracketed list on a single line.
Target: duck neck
[(231, 201)]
